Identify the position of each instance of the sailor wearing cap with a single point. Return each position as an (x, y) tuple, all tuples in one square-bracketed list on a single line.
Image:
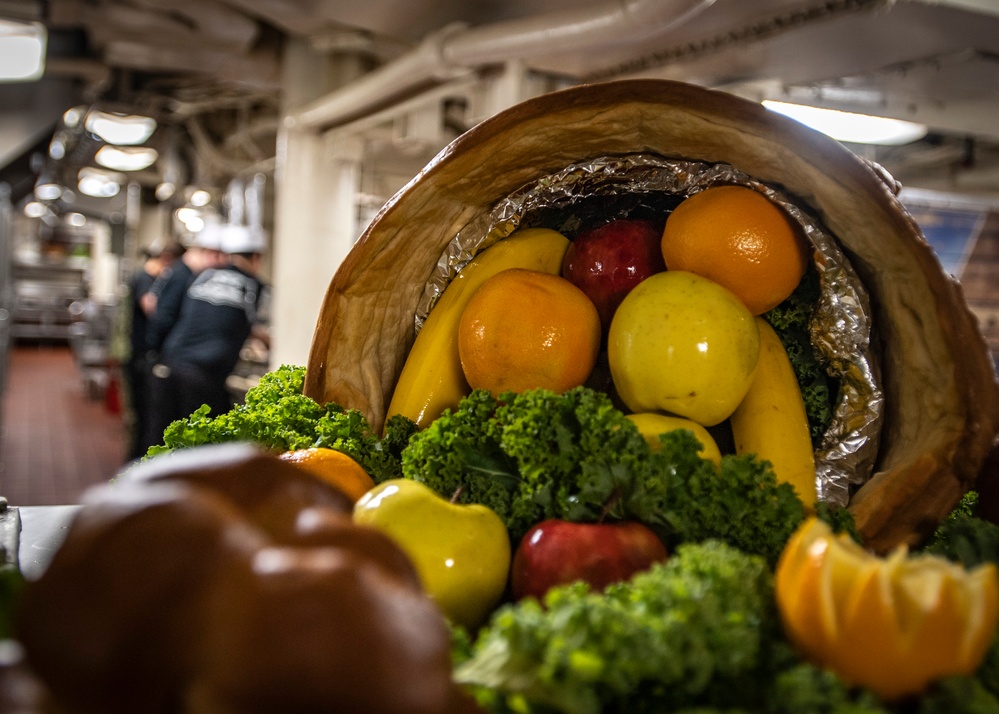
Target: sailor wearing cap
[(217, 315), (203, 251), (163, 303)]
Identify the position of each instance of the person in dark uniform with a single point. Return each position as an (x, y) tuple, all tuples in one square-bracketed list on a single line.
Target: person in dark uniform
[(135, 366), (162, 304), (163, 300), (216, 317)]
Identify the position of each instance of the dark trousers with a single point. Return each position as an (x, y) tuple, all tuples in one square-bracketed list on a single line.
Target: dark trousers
[(135, 373), (176, 391)]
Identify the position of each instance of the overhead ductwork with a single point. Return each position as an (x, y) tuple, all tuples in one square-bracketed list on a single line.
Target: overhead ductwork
[(458, 49)]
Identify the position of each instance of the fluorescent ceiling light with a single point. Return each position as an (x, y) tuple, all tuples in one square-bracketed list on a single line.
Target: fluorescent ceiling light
[(200, 197), (851, 127), (186, 213), (22, 51), (99, 184), (165, 191), (195, 224), (48, 191), (120, 129), (57, 147), (34, 209), (126, 158), (73, 116)]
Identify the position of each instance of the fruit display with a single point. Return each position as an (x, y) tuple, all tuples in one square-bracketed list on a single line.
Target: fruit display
[(592, 432), (939, 399), (644, 577)]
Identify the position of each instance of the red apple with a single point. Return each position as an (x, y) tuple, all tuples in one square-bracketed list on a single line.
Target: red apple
[(608, 261), (556, 552)]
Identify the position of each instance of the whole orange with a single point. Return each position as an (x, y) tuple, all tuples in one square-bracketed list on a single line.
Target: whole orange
[(524, 329), (334, 467), (740, 239)]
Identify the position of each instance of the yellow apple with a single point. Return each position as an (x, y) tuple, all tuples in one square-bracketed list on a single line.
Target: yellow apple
[(461, 552)]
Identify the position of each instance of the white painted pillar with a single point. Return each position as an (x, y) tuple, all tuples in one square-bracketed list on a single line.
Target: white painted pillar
[(316, 183)]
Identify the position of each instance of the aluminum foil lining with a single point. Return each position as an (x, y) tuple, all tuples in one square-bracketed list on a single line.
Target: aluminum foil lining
[(840, 329)]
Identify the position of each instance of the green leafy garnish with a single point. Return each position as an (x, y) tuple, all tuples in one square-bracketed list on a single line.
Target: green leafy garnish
[(575, 456), (692, 631), (276, 415), (964, 537)]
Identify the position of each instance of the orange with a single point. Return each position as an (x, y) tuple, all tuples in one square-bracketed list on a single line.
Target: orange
[(892, 624), (334, 467), (525, 329), (738, 238)]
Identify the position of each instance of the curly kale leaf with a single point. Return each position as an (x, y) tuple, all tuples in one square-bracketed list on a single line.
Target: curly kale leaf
[(958, 695), (968, 540), (286, 381), (692, 632), (964, 537), (277, 416), (534, 456), (791, 321), (578, 457), (574, 456), (988, 670), (840, 520), (741, 504), (806, 689), (458, 453)]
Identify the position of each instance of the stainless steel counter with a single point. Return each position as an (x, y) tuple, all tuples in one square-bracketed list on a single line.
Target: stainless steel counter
[(43, 529)]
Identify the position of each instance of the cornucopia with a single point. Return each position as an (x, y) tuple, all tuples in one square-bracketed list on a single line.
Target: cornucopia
[(246, 629), (941, 409)]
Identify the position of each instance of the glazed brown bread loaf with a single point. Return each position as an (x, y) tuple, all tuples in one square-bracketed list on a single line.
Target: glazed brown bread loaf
[(220, 580), (941, 408)]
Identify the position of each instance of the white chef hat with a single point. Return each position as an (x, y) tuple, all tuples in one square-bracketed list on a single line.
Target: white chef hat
[(243, 239), (209, 237)]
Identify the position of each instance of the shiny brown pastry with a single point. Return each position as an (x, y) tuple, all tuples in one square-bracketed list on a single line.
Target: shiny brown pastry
[(222, 579), (941, 403)]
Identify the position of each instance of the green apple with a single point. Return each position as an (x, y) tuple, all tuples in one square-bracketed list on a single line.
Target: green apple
[(461, 552)]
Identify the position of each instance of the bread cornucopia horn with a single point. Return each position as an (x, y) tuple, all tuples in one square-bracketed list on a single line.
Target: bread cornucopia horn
[(940, 410), (223, 579)]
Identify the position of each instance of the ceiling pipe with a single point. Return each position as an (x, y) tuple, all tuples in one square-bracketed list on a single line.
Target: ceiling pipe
[(456, 50), (211, 22)]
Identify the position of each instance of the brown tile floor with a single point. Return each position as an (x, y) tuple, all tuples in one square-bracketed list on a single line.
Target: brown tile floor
[(56, 436)]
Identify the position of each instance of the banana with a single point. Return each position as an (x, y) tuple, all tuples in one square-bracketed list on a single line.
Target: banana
[(431, 379), (771, 423)]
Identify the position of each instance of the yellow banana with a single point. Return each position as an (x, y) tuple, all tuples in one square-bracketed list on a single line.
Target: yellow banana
[(431, 379), (771, 423)]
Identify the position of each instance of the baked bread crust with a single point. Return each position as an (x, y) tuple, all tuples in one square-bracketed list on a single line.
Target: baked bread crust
[(941, 396), (222, 579)]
